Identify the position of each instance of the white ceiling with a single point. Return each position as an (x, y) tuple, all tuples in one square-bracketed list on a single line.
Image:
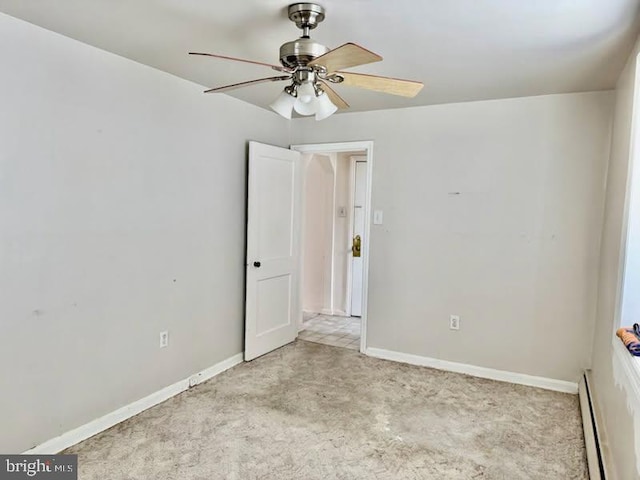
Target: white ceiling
[(461, 49)]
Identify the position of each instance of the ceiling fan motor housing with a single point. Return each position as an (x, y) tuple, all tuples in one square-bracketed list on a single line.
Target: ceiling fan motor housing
[(300, 52)]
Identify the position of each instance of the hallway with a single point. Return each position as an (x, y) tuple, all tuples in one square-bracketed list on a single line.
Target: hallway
[(331, 330)]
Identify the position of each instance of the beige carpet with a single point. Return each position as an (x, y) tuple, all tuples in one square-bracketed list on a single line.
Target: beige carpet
[(310, 411)]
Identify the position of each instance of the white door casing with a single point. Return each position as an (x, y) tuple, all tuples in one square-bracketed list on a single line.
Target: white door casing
[(367, 146), (273, 249)]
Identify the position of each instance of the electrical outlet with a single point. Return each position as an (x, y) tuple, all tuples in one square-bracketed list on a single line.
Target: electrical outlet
[(164, 339), (454, 322)]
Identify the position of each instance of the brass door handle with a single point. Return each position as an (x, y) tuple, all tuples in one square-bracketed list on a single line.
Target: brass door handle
[(357, 244)]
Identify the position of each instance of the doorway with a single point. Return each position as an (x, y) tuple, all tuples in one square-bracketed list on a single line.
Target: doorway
[(336, 213)]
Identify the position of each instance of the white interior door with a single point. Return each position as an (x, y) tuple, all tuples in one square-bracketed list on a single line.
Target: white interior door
[(273, 249), (358, 236)]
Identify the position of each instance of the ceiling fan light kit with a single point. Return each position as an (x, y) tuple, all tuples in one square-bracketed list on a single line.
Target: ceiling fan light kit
[(325, 107), (310, 67), (283, 105)]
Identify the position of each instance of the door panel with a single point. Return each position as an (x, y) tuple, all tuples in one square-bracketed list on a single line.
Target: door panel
[(273, 298), (359, 198), (273, 251), (275, 189)]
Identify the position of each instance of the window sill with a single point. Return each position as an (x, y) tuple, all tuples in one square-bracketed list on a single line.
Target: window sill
[(627, 373)]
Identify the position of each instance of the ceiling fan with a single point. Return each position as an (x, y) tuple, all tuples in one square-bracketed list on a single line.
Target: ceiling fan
[(311, 67)]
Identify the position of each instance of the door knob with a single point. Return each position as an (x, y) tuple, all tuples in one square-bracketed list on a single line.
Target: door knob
[(257, 264), (356, 246)]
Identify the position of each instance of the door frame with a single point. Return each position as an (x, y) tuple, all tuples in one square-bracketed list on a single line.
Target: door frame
[(366, 145)]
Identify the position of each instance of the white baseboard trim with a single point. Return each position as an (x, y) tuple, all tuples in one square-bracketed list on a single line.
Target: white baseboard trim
[(101, 424), (482, 372), (333, 313)]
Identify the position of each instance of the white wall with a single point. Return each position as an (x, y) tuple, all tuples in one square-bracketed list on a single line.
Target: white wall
[(317, 234), (493, 211), (612, 400), (342, 251), (122, 213), (630, 312)]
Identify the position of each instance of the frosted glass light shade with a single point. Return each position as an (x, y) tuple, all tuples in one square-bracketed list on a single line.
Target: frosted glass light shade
[(283, 105), (324, 107), (306, 93), (303, 108)]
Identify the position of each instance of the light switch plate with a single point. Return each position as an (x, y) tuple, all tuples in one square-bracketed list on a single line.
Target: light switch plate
[(377, 217)]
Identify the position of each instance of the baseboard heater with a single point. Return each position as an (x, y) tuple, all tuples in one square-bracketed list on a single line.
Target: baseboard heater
[(592, 437)]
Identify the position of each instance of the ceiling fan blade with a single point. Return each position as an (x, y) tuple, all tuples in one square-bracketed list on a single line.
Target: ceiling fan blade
[(394, 86), (274, 67), (336, 99), (233, 86), (345, 56)]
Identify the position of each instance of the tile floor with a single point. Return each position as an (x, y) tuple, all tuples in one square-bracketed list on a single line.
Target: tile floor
[(331, 330)]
